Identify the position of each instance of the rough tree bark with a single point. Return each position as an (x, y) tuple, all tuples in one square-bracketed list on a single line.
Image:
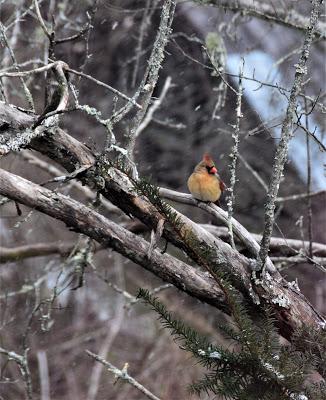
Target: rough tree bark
[(291, 308)]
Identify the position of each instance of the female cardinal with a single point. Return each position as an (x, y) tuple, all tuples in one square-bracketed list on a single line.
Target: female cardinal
[(205, 183)]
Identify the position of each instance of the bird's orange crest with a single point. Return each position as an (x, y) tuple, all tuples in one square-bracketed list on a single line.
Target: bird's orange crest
[(208, 159)]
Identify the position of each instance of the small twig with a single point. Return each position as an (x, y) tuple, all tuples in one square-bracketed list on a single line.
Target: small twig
[(38, 70), (41, 20), (26, 288), (216, 51), (77, 35), (54, 171), (131, 299), (146, 18), (299, 196), (123, 374), (254, 172), (156, 104), (23, 64), (3, 37), (128, 296), (22, 15), (281, 89), (155, 237), (22, 363), (312, 134), (106, 86), (47, 67)]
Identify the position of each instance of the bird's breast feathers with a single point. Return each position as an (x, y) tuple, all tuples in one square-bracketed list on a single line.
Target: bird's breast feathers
[(204, 187)]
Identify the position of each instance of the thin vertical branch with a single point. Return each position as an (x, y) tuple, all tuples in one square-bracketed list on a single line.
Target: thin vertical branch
[(152, 73), (143, 26), (309, 210), (41, 20), (234, 155), (286, 135), (4, 39), (12, 42)]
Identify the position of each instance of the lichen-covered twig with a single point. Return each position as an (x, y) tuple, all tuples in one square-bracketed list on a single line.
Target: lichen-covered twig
[(216, 52), (152, 72), (234, 155), (146, 19), (22, 363), (5, 73), (286, 135), (123, 374)]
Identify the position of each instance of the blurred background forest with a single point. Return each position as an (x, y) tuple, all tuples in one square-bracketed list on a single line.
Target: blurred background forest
[(114, 48)]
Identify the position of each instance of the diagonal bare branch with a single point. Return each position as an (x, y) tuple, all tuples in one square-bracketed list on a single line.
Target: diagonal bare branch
[(89, 222)]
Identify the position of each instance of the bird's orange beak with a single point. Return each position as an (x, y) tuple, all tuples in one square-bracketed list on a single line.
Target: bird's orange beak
[(213, 170)]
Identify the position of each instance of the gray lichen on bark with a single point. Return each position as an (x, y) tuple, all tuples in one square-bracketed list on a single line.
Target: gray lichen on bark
[(286, 135)]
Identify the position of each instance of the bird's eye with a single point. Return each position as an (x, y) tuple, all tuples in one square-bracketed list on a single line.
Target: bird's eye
[(209, 168)]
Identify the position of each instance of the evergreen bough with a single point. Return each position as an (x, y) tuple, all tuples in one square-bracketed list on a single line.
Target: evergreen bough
[(259, 367)]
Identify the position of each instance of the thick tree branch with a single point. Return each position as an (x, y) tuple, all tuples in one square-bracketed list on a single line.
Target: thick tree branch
[(240, 231), (89, 222)]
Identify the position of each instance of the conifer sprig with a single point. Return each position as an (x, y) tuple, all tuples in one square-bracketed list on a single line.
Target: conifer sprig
[(238, 374), (259, 368)]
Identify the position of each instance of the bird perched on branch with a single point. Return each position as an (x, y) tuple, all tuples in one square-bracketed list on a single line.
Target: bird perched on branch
[(205, 183)]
